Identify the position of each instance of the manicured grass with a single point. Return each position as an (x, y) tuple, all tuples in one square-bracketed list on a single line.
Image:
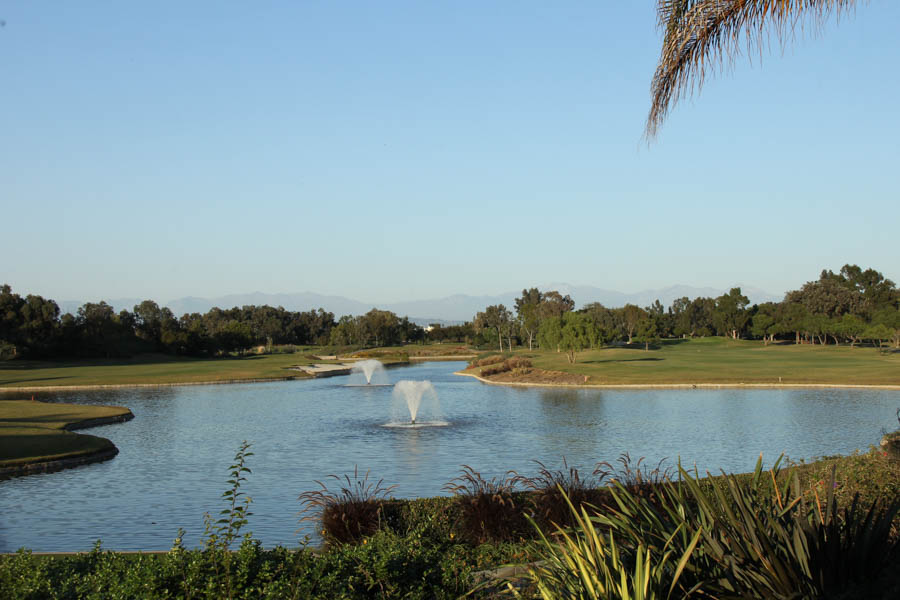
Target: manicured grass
[(164, 369), (35, 431), (724, 361), (150, 369)]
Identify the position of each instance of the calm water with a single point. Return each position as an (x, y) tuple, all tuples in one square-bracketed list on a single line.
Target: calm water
[(174, 456)]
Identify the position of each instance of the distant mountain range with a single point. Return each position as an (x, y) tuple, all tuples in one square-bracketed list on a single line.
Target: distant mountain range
[(448, 310)]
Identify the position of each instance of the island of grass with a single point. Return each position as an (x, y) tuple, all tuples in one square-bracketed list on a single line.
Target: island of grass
[(712, 361), (37, 436)]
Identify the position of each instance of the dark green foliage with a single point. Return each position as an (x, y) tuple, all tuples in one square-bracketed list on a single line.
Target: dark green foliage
[(347, 515), (798, 533), (33, 327), (760, 536), (415, 565)]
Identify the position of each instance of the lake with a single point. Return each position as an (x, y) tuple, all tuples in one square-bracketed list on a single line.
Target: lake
[(174, 456)]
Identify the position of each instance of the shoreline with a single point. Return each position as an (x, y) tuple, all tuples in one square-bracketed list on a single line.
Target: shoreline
[(599, 386), (59, 464), (119, 386), (68, 462), (683, 386)]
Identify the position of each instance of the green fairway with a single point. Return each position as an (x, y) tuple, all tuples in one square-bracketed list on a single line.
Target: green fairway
[(158, 369), (151, 369), (36, 431), (724, 361)]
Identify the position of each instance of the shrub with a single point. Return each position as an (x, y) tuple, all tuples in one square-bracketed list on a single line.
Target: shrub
[(757, 541), (488, 360), (553, 492), (637, 477), (581, 562), (518, 362), (349, 514), (489, 510), (515, 363), (494, 370)]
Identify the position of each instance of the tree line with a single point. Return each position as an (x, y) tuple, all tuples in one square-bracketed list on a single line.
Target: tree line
[(852, 306), (33, 327)]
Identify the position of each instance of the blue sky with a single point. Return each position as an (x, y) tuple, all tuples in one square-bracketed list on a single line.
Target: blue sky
[(409, 150)]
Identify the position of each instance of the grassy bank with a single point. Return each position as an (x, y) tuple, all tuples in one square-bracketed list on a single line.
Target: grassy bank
[(712, 361), (149, 369), (158, 369), (704, 361), (447, 547), (38, 432)]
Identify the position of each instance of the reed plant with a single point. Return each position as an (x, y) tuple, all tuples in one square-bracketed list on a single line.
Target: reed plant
[(348, 514), (552, 490), (635, 475), (490, 509)]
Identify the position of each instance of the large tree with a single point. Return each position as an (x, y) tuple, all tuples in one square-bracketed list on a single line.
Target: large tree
[(528, 313), (704, 34), (601, 325), (494, 318), (575, 334), (730, 315), (555, 304), (630, 316)]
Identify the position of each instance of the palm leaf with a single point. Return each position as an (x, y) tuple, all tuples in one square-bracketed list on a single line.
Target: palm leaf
[(704, 34)]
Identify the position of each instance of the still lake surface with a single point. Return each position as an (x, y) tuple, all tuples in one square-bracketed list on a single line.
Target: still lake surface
[(174, 456)]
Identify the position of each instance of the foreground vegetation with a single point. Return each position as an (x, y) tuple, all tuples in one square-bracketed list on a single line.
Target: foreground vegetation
[(827, 529), (37, 432), (708, 360)]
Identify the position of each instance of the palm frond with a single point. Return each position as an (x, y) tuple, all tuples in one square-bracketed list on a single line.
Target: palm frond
[(702, 35)]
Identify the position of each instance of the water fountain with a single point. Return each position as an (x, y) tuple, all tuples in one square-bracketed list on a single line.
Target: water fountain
[(373, 371), (420, 400)]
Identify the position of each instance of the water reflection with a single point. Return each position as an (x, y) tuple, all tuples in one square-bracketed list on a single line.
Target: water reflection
[(174, 458)]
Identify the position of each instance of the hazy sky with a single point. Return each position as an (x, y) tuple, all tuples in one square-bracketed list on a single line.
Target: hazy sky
[(408, 150)]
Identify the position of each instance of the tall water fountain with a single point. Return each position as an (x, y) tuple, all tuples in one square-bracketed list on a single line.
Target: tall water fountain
[(420, 400), (372, 370)]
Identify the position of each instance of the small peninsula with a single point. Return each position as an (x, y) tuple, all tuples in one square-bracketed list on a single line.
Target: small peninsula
[(37, 437)]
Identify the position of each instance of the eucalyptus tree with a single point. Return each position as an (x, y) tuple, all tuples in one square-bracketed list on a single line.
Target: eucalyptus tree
[(575, 334), (630, 316), (528, 313), (555, 304), (601, 323), (703, 35), (764, 323), (730, 315), (494, 318)]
